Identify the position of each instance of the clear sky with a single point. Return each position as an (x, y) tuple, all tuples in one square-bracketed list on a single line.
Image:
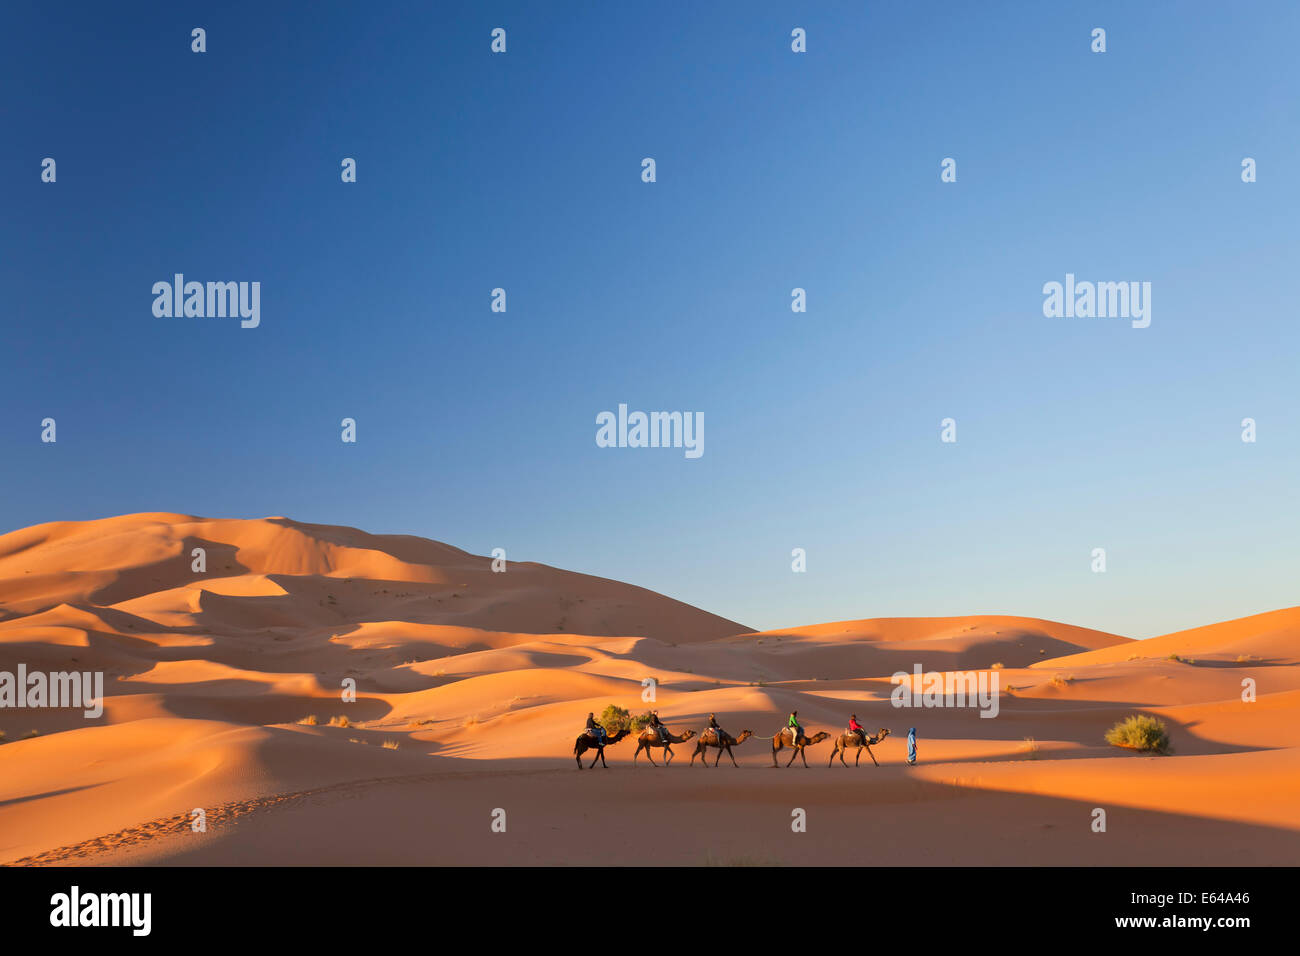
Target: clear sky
[(775, 170)]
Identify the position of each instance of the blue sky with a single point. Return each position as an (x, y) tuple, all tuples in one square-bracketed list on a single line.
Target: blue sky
[(775, 170)]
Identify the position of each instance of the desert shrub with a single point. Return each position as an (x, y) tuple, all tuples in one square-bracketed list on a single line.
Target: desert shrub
[(340, 722), (390, 745), (1140, 732), (309, 721), (615, 718)]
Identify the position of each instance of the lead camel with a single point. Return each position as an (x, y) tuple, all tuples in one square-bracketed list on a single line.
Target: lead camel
[(850, 739)]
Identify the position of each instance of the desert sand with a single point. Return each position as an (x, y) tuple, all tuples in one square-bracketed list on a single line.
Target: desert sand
[(472, 686)]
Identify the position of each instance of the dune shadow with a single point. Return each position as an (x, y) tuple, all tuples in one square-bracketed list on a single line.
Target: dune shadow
[(48, 793), (219, 558)]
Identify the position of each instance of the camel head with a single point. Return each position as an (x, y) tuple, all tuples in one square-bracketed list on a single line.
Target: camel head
[(818, 737), (884, 732), (615, 738), (687, 735), (744, 735)]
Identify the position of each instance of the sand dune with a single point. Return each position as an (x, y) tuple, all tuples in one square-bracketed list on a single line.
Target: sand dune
[(482, 681)]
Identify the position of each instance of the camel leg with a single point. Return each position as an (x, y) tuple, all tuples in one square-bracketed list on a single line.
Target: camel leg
[(794, 754), (668, 755), (733, 758), (595, 758), (872, 756), (719, 760), (578, 757), (803, 752)]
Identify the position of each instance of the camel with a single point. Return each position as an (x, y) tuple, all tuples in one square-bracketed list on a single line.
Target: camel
[(720, 739), (850, 739), (782, 739), (588, 742), (650, 738)]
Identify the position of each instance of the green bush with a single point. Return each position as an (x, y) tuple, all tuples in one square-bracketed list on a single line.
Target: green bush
[(615, 718), (1140, 732)]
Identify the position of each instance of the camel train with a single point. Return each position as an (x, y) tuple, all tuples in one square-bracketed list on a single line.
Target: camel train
[(655, 735)]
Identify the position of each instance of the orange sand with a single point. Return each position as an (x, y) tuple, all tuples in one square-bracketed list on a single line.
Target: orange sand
[(484, 679)]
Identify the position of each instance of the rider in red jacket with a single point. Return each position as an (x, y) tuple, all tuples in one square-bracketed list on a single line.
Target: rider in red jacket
[(856, 727)]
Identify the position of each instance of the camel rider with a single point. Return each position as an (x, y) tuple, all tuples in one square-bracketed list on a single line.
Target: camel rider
[(795, 729), (595, 729), (658, 726), (713, 726), (857, 728)]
